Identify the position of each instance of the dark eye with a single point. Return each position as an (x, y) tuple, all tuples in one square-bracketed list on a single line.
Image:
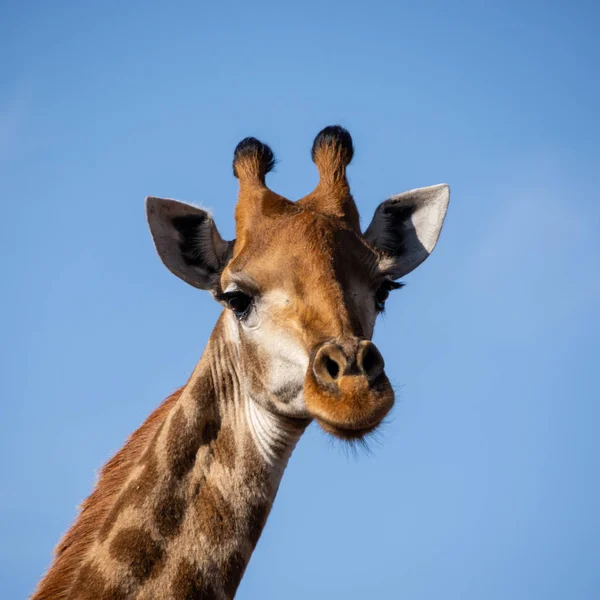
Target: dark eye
[(381, 295), (239, 303), (383, 292)]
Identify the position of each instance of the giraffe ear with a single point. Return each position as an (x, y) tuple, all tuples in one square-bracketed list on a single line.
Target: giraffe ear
[(187, 241), (406, 227)]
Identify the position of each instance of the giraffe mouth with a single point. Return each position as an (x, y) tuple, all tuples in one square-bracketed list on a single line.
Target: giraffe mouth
[(353, 410)]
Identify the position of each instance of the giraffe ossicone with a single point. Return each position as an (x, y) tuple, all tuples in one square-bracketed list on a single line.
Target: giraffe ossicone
[(177, 512)]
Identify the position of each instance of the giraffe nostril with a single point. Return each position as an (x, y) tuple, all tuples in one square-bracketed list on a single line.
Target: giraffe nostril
[(329, 364), (332, 368), (370, 360)]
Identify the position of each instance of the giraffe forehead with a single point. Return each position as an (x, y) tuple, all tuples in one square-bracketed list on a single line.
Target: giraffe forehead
[(300, 250)]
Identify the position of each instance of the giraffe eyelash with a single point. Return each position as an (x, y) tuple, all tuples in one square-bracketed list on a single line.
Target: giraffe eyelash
[(383, 291)]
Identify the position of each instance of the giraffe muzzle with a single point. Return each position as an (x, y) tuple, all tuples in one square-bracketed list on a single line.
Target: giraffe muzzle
[(346, 388)]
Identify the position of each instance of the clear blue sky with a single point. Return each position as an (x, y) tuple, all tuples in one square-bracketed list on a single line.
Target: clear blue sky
[(485, 483)]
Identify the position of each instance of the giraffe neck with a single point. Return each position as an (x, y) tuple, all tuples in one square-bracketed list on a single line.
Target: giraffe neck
[(190, 513)]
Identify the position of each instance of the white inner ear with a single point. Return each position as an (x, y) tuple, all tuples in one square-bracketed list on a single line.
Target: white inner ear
[(407, 226), (428, 217)]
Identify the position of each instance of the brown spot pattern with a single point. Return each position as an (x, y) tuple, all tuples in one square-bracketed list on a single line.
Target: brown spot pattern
[(91, 585), (224, 447), (257, 517), (215, 514), (182, 444), (257, 476), (185, 439), (168, 513), (137, 549), (232, 571), (70, 552), (198, 486), (210, 431), (134, 495), (150, 453), (189, 583)]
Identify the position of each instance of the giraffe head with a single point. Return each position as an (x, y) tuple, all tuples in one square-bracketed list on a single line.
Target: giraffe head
[(301, 284)]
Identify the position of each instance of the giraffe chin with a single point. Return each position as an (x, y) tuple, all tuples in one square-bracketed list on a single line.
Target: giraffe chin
[(347, 434), (351, 409)]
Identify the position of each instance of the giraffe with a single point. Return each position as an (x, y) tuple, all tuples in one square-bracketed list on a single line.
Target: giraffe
[(177, 512)]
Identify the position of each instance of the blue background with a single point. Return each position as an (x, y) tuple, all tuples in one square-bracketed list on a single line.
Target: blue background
[(484, 483)]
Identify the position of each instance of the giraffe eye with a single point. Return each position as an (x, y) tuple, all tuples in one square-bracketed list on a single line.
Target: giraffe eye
[(239, 303), (383, 292), (381, 295)]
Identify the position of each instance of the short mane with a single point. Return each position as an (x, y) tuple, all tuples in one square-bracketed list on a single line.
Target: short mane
[(70, 553)]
